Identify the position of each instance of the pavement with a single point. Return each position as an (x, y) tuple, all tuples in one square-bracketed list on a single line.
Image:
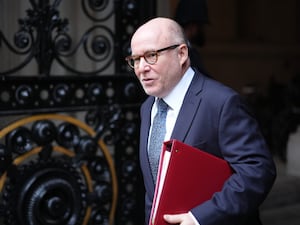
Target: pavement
[(282, 206)]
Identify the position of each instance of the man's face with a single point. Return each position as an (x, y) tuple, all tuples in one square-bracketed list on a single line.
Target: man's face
[(160, 78)]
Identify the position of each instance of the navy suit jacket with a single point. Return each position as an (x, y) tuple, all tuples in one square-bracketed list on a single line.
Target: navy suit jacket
[(215, 118)]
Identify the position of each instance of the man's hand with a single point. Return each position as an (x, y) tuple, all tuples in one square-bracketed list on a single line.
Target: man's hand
[(182, 219)]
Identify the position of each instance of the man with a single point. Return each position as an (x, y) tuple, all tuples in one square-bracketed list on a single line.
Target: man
[(202, 113)]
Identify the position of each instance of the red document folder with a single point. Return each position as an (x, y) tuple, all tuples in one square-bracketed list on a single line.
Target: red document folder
[(187, 177)]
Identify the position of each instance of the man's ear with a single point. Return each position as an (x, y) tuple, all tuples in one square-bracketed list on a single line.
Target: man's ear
[(183, 53)]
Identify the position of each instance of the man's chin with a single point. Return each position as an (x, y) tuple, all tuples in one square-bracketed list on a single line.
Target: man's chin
[(151, 92)]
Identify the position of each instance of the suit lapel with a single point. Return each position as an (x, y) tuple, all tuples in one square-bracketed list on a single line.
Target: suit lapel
[(189, 108), (144, 133), (146, 121)]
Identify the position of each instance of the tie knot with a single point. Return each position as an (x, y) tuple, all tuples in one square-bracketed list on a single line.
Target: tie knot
[(162, 106)]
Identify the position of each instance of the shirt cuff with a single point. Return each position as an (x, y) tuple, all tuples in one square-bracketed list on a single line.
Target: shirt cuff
[(194, 218)]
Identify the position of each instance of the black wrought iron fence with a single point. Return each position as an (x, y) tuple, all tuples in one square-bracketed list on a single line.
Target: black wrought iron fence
[(69, 113)]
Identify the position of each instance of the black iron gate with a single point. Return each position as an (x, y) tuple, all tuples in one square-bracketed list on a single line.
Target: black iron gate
[(69, 113)]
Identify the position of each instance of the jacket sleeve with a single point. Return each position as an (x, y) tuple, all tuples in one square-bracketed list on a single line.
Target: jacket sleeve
[(243, 146)]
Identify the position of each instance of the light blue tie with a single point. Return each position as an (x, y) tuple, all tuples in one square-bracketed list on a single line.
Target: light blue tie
[(157, 136)]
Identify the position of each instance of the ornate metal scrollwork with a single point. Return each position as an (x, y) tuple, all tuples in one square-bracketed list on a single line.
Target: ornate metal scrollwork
[(43, 36), (55, 170)]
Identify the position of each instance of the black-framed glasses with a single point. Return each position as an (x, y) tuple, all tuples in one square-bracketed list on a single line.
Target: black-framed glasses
[(150, 56)]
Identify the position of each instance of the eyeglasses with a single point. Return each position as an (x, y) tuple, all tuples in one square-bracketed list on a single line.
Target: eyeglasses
[(150, 57)]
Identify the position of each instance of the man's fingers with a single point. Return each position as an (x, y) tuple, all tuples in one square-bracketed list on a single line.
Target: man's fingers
[(183, 219), (178, 218)]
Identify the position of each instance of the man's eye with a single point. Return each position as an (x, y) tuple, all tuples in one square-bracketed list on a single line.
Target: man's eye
[(151, 55), (136, 59)]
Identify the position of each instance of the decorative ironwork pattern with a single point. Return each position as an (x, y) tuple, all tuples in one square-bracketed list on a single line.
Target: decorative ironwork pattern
[(43, 35), (44, 94), (70, 127), (109, 105), (55, 172)]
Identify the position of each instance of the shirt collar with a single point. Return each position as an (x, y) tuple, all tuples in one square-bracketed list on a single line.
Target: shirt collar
[(175, 98)]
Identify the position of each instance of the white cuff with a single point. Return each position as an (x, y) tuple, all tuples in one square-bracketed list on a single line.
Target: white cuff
[(194, 218)]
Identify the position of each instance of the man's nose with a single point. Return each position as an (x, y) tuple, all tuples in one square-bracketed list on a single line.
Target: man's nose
[(142, 64)]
